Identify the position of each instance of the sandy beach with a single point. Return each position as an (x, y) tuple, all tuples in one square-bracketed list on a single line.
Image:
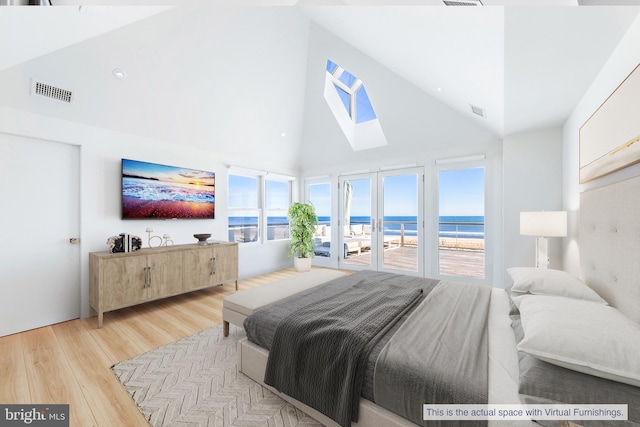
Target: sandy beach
[(136, 208)]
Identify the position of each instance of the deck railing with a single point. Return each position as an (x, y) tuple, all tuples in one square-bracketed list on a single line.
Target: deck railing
[(457, 230), (406, 232)]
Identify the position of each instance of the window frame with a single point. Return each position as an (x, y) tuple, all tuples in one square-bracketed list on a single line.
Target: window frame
[(261, 204), (266, 210)]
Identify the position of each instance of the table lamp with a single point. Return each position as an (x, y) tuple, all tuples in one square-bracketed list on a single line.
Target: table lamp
[(543, 224)]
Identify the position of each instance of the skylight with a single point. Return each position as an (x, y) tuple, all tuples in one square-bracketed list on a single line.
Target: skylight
[(352, 93), (345, 93)]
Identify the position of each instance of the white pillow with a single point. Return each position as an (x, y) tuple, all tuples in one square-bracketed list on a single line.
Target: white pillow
[(583, 336), (541, 281)]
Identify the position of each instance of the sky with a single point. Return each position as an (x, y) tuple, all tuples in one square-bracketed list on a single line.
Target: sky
[(460, 192), (244, 193), (167, 173)]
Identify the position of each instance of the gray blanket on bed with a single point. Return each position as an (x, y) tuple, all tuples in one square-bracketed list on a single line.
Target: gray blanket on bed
[(327, 345), (439, 355)]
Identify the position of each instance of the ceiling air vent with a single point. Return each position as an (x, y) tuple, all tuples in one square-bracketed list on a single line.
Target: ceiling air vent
[(462, 2), (49, 91), (477, 110)]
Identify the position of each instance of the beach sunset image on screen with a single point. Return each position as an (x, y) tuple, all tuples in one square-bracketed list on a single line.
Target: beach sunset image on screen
[(151, 190)]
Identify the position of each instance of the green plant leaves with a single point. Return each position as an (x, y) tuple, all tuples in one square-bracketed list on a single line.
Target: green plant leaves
[(302, 227)]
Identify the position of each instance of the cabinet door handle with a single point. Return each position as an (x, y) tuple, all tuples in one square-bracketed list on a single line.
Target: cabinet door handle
[(149, 274), (146, 277), (213, 266)]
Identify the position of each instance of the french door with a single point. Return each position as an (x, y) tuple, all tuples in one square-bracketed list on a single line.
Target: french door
[(381, 224)]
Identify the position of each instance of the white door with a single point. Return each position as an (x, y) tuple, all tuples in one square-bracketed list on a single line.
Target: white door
[(39, 215), (381, 221), (357, 243), (400, 221)]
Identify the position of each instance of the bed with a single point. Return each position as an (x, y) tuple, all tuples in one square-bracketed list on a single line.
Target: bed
[(549, 339)]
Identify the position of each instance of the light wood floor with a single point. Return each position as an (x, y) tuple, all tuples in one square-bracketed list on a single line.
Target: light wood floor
[(69, 363), (453, 262)]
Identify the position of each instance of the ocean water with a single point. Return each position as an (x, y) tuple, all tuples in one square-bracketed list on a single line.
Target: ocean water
[(147, 189), (450, 226)]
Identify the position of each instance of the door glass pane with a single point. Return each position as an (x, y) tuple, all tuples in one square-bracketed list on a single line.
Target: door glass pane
[(461, 223), (356, 229), (320, 197), (400, 236)]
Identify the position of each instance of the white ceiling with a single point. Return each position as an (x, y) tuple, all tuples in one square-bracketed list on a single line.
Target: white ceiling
[(455, 54), (551, 59), (526, 66), (29, 32)]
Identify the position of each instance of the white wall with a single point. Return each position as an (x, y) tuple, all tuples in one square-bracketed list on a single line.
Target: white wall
[(418, 128), (208, 87), (100, 154), (220, 79), (622, 61), (532, 168)]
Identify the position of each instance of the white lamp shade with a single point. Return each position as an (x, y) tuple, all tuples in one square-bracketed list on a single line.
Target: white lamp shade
[(543, 223)]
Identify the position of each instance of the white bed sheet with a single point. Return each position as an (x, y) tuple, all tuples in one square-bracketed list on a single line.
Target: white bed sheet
[(503, 358)]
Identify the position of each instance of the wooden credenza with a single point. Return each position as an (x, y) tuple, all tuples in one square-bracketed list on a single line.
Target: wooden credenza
[(118, 280)]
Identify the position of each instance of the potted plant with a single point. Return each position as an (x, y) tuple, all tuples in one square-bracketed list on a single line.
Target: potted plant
[(302, 227)]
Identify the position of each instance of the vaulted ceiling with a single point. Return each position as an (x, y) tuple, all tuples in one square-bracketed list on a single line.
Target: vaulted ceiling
[(525, 66)]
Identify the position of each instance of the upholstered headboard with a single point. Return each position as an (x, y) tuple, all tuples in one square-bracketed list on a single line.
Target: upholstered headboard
[(610, 244)]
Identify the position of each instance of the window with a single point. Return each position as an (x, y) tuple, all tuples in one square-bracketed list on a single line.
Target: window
[(352, 93), (319, 194), (258, 206), (277, 195), (461, 224), (350, 104), (244, 210)]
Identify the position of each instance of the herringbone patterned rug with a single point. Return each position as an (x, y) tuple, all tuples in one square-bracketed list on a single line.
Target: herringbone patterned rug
[(195, 382)]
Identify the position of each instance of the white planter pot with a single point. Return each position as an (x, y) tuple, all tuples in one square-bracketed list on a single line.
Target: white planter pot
[(302, 264)]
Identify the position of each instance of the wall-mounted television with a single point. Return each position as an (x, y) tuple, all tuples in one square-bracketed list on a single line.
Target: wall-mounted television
[(155, 191)]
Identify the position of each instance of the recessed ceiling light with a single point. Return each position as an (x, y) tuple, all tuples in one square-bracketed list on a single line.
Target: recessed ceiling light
[(283, 134), (439, 89), (119, 73)]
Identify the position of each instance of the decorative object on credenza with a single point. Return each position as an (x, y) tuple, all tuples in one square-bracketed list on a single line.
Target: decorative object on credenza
[(165, 240), (151, 238), (124, 243), (543, 224), (202, 238), (610, 138)]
